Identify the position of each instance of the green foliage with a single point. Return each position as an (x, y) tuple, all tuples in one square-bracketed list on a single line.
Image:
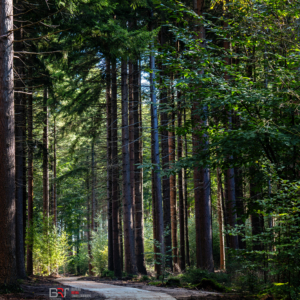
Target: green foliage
[(210, 284), (173, 282), (277, 259), (99, 251), (107, 273), (50, 247)]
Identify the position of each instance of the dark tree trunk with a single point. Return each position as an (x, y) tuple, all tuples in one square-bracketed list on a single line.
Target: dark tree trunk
[(109, 169), (165, 159), (130, 266), (239, 202), (88, 199), (93, 204), (54, 177), (180, 194), (139, 215), (257, 221), (221, 220), (202, 180), (131, 138), (8, 268), (45, 158), (115, 174), (186, 224), (231, 206), (157, 267), (173, 205), (20, 142), (157, 179), (30, 185)]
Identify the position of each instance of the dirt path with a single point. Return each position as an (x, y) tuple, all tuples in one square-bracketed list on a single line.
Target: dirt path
[(113, 292), (140, 291)]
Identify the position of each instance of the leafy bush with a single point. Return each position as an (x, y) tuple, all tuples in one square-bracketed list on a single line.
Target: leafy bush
[(99, 251), (50, 247)]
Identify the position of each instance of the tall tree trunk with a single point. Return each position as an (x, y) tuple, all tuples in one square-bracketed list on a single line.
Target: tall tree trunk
[(157, 267), (202, 181), (180, 194), (93, 204), (157, 178), (257, 221), (8, 274), (221, 221), (20, 142), (173, 205), (88, 199), (45, 158), (131, 138), (139, 215), (109, 168), (165, 159), (130, 266), (30, 186), (115, 174), (231, 206), (239, 203), (187, 243), (54, 176)]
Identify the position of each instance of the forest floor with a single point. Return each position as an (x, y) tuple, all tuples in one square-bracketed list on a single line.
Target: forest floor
[(175, 292), (37, 288)]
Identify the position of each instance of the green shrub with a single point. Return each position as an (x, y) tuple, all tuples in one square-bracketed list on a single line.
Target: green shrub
[(209, 284), (173, 282), (99, 251)]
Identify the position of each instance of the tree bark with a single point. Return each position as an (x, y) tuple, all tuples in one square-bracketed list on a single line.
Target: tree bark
[(30, 186), (54, 176), (115, 173), (89, 221), (173, 206), (157, 178), (165, 158), (202, 180), (180, 194), (45, 158), (221, 221), (186, 203), (20, 142), (139, 211), (239, 203), (109, 168), (93, 213), (8, 273), (130, 266)]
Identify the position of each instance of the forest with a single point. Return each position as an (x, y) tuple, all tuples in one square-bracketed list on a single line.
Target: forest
[(153, 140)]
